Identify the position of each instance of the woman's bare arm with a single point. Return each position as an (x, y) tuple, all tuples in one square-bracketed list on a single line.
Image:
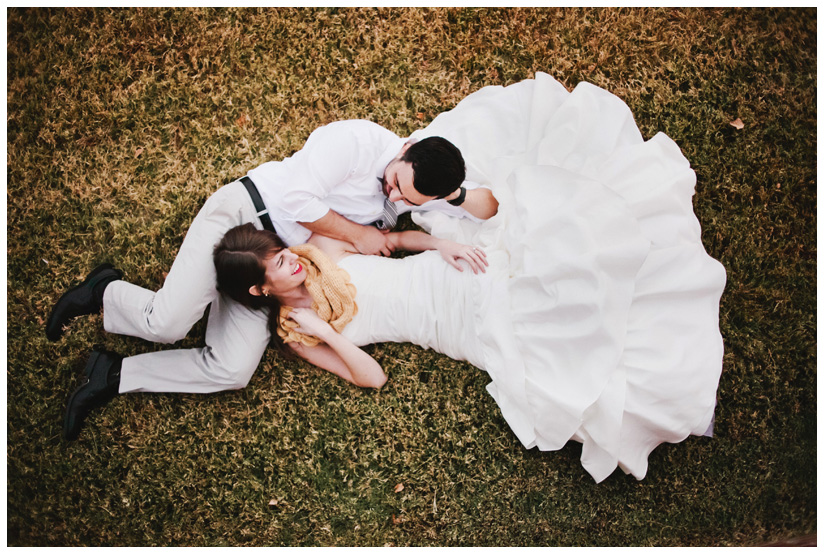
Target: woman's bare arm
[(336, 354), (411, 241), (452, 252)]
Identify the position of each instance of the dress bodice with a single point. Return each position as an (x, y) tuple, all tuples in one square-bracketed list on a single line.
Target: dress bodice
[(418, 299)]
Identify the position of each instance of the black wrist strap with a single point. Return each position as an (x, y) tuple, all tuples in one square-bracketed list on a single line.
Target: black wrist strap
[(459, 200)]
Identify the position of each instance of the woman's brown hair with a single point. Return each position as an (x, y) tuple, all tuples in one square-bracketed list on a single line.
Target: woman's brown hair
[(240, 264)]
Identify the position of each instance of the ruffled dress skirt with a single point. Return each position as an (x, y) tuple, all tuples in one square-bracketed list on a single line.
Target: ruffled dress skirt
[(599, 319)]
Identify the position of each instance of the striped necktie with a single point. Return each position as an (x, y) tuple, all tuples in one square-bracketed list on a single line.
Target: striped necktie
[(390, 213), (390, 216)]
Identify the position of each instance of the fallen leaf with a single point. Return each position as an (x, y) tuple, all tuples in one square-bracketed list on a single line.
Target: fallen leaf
[(420, 115), (178, 135), (243, 120), (273, 502), (138, 152), (778, 186), (737, 123), (399, 487), (396, 520)]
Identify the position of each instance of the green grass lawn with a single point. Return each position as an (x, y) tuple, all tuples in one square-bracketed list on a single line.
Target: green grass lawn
[(121, 122)]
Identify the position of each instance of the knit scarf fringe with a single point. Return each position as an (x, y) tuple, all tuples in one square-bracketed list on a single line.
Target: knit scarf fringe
[(333, 296)]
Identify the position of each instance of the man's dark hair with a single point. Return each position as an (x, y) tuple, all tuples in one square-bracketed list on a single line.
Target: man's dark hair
[(438, 167)]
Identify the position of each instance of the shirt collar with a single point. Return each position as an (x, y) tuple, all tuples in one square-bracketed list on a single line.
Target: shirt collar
[(392, 150)]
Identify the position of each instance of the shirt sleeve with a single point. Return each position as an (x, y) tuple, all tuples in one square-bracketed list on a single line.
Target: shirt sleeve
[(326, 160)]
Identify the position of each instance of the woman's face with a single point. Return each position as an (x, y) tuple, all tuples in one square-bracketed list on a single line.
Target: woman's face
[(283, 273)]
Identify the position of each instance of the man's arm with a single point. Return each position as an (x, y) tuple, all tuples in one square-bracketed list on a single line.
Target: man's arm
[(479, 202), (367, 239), (314, 173)]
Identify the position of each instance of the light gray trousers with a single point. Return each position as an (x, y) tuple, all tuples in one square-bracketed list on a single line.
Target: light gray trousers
[(236, 336)]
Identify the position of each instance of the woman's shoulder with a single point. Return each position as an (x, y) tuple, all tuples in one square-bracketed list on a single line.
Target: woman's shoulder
[(335, 249)]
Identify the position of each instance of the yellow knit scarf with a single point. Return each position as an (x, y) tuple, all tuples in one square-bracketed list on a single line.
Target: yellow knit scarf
[(333, 296)]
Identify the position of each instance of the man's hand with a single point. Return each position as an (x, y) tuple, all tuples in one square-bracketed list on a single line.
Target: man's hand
[(373, 241), (365, 238)]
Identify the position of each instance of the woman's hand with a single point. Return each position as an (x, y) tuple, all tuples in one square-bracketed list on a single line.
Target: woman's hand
[(309, 323), (452, 252)]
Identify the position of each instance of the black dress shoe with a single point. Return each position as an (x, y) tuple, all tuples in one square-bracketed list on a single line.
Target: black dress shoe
[(86, 298), (100, 384)]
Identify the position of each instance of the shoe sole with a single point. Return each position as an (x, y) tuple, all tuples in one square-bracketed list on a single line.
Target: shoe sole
[(57, 334)]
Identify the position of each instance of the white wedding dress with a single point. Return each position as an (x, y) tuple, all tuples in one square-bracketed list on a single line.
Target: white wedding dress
[(597, 319)]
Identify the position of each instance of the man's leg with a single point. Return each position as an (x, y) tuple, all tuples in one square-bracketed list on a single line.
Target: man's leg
[(236, 338), (167, 315), (84, 298)]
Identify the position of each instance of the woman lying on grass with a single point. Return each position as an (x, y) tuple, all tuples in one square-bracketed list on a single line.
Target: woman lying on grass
[(296, 285)]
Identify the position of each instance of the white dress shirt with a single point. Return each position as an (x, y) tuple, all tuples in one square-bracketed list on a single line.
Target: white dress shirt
[(339, 168)]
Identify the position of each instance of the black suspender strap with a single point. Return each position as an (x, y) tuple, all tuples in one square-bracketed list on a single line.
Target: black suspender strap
[(260, 207)]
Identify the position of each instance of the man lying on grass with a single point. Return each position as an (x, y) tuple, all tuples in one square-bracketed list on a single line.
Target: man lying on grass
[(349, 181)]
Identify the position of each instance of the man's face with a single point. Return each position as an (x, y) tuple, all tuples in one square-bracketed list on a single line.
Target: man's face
[(398, 184)]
